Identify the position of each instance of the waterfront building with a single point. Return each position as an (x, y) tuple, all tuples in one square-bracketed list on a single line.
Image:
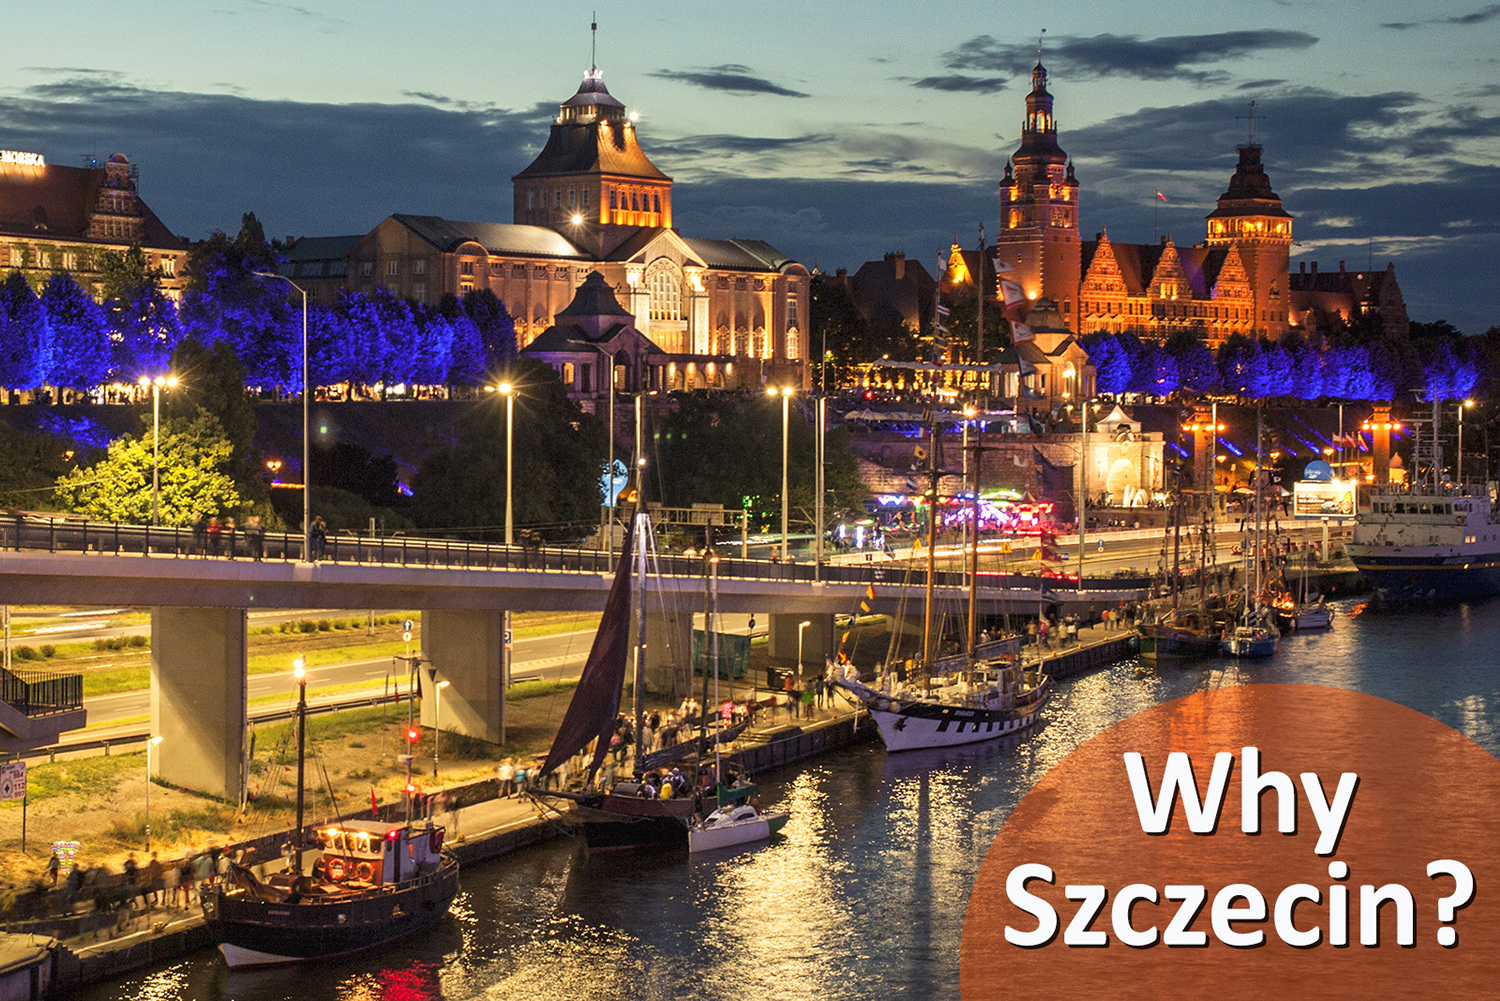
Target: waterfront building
[(55, 218), (1236, 281), (592, 202)]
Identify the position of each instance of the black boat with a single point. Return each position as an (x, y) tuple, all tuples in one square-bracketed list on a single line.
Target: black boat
[(369, 882)]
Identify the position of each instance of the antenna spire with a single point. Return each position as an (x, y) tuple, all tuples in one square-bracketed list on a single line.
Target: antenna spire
[(1250, 119), (1039, 45), (594, 43)]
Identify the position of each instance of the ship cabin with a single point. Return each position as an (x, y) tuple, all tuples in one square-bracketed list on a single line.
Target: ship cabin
[(1401, 519), (369, 853)]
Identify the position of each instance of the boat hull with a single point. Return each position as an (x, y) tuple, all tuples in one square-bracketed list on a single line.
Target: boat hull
[(1261, 646), (616, 823), (707, 839), (1160, 645), (256, 932), (915, 725), (1428, 576)]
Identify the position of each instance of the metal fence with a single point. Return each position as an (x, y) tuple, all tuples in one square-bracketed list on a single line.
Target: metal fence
[(63, 535), (38, 693)]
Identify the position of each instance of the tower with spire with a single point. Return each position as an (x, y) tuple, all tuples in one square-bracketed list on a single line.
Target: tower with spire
[(1038, 232), (1250, 218), (592, 182)]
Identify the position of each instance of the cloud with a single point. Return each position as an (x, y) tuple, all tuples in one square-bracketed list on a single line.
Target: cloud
[(1476, 17), (962, 83), (1260, 84), (1171, 57), (731, 77)]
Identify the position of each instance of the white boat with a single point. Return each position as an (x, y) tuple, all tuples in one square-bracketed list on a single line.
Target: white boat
[(734, 825)]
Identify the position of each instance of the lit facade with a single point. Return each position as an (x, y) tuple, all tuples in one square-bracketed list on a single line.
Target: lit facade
[(56, 218)]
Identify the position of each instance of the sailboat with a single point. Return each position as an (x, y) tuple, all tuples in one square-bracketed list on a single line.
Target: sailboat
[(980, 700), (1303, 612), (1255, 635), (370, 882), (735, 822)]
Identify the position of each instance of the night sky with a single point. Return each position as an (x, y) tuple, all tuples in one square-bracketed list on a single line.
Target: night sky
[(837, 134)]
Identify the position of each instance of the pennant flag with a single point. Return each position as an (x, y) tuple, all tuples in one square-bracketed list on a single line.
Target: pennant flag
[(374, 805), (864, 605), (1162, 197), (1012, 293), (919, 453), (1021, 332)]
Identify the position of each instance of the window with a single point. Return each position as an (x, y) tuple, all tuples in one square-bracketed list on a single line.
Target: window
[(465, 287), (612, 203), (665, 288), (169, 265), (572, 198), (392, 268), (791, 312), (419, 267), (17, 257), (635, 201), (656, 203), (366, 268), (530, 201), (70, 260), (557, 198), (586, 196), (419, 291), (466, 268)]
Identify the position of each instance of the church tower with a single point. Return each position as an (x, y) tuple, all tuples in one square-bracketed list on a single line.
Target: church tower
[(592, 182), (1249, 218), (1038, 231)]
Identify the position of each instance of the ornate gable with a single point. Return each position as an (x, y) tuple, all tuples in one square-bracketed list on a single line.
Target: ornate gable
[(1103, 277), (1233, 282), (1169, 280)]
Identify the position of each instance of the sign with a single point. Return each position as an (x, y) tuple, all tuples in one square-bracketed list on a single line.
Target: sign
[(406, 636), (509, 637), (22, 159), (13, 780), (1316, 500), (406, 626)]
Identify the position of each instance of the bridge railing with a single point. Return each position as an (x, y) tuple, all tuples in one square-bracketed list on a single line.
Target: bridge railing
[(38, 693), (56, 535)]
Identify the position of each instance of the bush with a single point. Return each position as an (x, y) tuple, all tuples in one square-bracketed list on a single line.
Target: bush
[(23, 653), (139, 640), (324, 625), (101, 643), (307, 626), (340, 624), (48, 650)]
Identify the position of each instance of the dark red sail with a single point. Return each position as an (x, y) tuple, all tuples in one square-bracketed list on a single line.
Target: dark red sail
[(596, 702)]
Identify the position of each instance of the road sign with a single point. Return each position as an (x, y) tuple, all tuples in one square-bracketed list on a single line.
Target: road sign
[(509, 636), (13, 780), (406, 626), (406, 636)]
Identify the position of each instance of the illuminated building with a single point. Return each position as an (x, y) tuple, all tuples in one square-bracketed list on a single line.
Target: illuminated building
[(1237, 281), (592, 201), (55, 218)]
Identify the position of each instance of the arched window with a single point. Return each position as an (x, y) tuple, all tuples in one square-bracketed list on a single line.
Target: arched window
[(656, 203), (664, 284)]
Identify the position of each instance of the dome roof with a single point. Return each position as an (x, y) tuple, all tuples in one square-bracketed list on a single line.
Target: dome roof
[(593, 93)]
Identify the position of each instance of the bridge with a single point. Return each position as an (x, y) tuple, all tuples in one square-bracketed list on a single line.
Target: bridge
[(200, 591)]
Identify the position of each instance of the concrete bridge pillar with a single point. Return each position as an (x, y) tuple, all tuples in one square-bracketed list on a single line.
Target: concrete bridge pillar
[(466, 648), (669, 653), (818, 640), (198, 699)]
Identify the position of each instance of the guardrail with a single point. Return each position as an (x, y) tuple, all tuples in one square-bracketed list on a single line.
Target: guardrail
[(29, 533), (41, 693)]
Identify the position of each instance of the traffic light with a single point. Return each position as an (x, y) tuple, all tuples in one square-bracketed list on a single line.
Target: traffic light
[(413, 734)]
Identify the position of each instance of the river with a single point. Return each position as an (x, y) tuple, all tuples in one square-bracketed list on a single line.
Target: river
[(864, 894)]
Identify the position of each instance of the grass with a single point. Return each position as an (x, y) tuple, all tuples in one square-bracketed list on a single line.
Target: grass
[(536, 688), (81, 776), (273, 663)]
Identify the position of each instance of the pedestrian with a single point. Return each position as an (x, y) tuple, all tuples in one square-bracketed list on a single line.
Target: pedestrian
[(1041, 629), (229, 537), (818, 690), (506, 775), (255, 537), (132, 870), (215, 535), (185, 881), (319, 535), (154, 871), (54, 866)]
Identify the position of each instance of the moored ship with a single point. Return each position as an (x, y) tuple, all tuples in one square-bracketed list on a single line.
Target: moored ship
[(1427, 546)]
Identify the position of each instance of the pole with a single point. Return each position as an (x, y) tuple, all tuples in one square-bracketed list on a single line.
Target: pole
[(306, 438), (301, 760), (1083, 488), (931, 551), (641, 528), (974, 553), (786, 434), (437, 718), (510, 404), (609, 545), (801, 629), (155, 468), (818, 507), (506, 639)]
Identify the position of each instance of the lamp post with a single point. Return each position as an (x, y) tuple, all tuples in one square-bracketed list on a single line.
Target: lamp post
[(801, 627), (300, 674), (149, 745), (786, 424), (821, 485), (1459, 469), (508, 391), (437, 719), (306, 440), (169, 381)]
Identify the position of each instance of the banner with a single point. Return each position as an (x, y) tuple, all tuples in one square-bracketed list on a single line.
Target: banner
[(1316, 500)]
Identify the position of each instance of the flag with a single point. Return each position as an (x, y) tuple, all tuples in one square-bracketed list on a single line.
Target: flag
[(1021, 332), (374, 805), (1162, 197), (869, 598), (1012, 293), (919, 453)]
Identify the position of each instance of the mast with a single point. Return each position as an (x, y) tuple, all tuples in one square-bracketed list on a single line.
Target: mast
[(1177, 539), (710, 562), (974, 547), (641, 528), (932, 498), (1259, 475), (301, 759)]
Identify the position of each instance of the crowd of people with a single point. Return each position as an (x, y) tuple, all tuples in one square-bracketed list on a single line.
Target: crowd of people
[(71, 887)]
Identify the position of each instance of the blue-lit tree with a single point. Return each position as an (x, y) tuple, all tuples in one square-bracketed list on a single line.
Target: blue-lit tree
[(429, 354), (1156, 371), (80, 334), (497, 328), (25, 336), (1114, 365), (226, 302), (1196, 370)]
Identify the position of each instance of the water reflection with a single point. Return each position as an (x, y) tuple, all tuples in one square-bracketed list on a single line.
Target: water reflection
[(863, 895)]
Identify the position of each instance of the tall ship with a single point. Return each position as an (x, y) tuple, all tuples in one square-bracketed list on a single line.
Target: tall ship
[(362, 884), (1427, 545)]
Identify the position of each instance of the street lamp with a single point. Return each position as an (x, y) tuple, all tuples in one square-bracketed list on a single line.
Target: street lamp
[(300, 674), (437, 722), (508, 391), (169, 381), (149, 745), (306, 396), (1460, 468), (801, 626), (786, 424)]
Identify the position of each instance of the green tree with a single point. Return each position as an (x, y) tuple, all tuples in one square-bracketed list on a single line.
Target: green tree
[(193, 480), (212, 380), (558, 453)]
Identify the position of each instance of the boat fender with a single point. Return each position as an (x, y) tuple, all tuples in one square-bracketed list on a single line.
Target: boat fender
[(364, 871), (895, 707), (437, 840), (882, 705), (335, 869)]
